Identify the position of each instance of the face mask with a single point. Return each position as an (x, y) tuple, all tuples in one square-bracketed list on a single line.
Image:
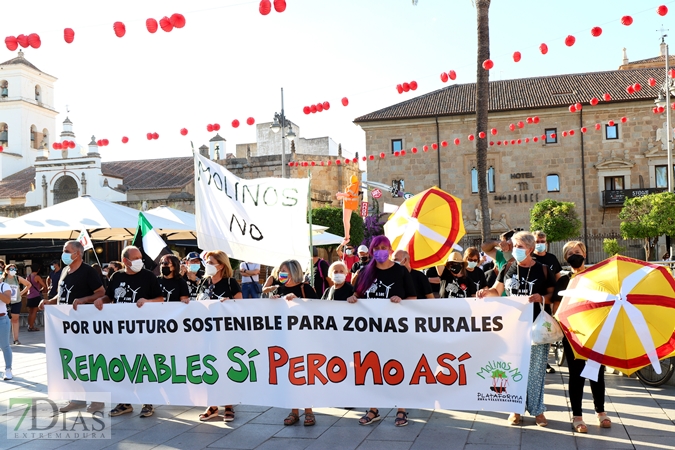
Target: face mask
[(520, 254), (364, 259), (397, 262), (136, 265), (472, 264), (381, 255), (194, 268), (455, 268), (348, 252), (539, 248), (339, 278), (210, 270), (52, 267), (166, 271), (66, 258), (283, 277), (12, 272), (104, 273), (507, 255), (575, 261)]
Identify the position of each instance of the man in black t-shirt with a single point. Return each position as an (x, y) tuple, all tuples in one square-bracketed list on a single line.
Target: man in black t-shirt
[(78, 284), (419, 279), (193, 273), (364, 259), (321, 281), (543, 257), (137, 285)]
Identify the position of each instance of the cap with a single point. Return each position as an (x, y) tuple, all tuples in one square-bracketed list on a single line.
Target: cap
[(362, 249), (193, 255), (455, 257)]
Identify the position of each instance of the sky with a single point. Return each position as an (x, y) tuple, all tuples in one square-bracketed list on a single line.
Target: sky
[(229, 62)]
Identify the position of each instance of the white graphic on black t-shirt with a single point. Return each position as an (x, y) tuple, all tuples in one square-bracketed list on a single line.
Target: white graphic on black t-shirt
[(168, 293), (376, 286), (125, 294), (67, 291), (120, 292), (455, 290), (514, 286)]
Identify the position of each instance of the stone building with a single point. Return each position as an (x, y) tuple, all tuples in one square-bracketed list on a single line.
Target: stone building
[(553, 158)]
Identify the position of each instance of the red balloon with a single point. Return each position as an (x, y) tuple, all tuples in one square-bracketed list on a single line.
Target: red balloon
[(382, 155), (305, 164), (209, 128), (34, 40), (626, 20), (594, 101), (535, 139), (506, 142), (481, 135), (552, 135), (630, 90), (165, 24), (610, 123), (371, 157), (598, 126), (596, 31), (250, 121), (434, 146), (424, 147), (399, 88), (184, 131), (216, 127), (571, 132), (105, 142), (413, 85), (491, 143), (578, 106), (120, 29), (519, 141), (452, 75), (499, 142), (99, 143), (570, 40), (235, 123), (125, 140), (22, 39), (573, 108), (265, 7), (319, 107), (397, 154), (488, 64), (444, 143), (564, 133), (624, 119), (12, 43), (529, 120), (637, 87), (661, 109), (527, 140), (345, 101), (406, 87), (652, 82), (471, 137), (535, 119), (151, 25), (313, 109), (543, 137), (512, 127), (671, 73), (662, 10), (68, 35), (55, 146), (516, 56), (493, 131), (457, 141), (155, 136), (584, 129), (606, 97), (326, 106), (655, 110), (520, 124), (177, 20), (513, 142), (444, 77), (149, 136), (72, 144), (329, 162), (279, 6), (543, 48), (306, 110), (291, 164), (402, 154)]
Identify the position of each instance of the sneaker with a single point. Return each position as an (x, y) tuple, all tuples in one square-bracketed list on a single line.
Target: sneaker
[(8, 374), (95, 407), (72, 406), (147, 410), (16, 342), (121, 408)]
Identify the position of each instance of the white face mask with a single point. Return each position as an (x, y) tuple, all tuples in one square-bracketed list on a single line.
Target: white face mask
[(210, 270), (136, 265), (472, 264), (339, 278)]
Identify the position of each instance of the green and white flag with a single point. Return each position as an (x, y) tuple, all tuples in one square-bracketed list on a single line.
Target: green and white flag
[(151, 245)]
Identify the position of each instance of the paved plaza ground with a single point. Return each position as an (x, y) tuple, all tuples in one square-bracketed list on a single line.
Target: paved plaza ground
[(643, 418)]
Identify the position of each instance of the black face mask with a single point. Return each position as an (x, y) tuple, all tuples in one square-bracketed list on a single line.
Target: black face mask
[(575, 261), (456, 268), (364, 259), (166, 270)]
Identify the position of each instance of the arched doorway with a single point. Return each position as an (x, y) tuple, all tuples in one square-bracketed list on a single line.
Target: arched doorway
[(65, 189)]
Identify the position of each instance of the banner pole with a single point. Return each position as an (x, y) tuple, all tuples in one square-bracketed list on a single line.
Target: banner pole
[(311, 245)]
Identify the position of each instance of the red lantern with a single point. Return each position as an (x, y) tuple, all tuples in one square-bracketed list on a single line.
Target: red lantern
[(12, 43), (520, 124), (471, 138), (488, 64), (516, 56), (406, 87), (452, 75), (209, 128), (444, 143), (519, 141), (527, 140), (177, 20), (345, 101), (543, 137), (250, 121), (606, 97), (22, 39), (183, 131), (329, 163), (314, 164), (402, 154), (493, 132), (570, 40), (312, 109), (535, 119), (399, 88), (661, 109), (414, 149), (99, 143), (481, 134), (513, 142), (105, 142), (637, 87), (395, 154), (326, 106), (413, 85), (34, 40), (671, 73), (457, 141), (662, 10), (55, 146), (652, 82), (578, 106), (306, 110), (291, 164), (655, 110), (598, 126), (382, 155), (319, 107), (265, 7), (155, 136), (584, 129), (512, 127), (610, 123), (149, 136), (305, 164), (72, 144), (491, 143), (571, 132), (594, 101), (371, 157), (444, 77), (151, 25), (120, 29), (564, 133), (630, 90), (535, 139), (165, 24), (425, 148), (529, 120), (279, 6), (499, 142), (626, 20), (552, 135), (235, 123), (572, 108), (125, 140), (216, 127), (596, 31), (434, 146), (506, 143), (625, 119), (68, 35), (543, 48)]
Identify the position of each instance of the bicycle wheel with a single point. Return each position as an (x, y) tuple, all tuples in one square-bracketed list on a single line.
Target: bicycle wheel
[(649, 377)]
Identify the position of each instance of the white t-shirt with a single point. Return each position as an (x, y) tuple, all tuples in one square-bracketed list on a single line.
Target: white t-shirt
[(249, 266), (5, 289)]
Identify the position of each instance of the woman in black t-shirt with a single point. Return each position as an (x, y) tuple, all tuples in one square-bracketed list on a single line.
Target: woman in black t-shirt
[(218, 284), (382, 278), (341, 289), (473, 272), (528, 278), (454, 281), (174, 287)]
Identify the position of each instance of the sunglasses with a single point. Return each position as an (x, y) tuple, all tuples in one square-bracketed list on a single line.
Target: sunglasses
[(472, 260), (165, 263)]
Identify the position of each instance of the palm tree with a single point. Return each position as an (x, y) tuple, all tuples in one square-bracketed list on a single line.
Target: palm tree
[(482, 103)]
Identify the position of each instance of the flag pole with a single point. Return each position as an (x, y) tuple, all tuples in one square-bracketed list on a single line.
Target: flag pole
[(311, 245)]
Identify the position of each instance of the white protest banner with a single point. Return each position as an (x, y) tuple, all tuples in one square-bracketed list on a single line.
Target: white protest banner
[(262, 220), (443, 354)]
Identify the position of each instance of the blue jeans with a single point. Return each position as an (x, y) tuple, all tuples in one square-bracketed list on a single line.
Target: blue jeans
[(250, 290), (5, 330)]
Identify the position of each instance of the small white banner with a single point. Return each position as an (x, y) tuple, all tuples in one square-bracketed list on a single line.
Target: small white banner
[(262, 220), (442, 354)]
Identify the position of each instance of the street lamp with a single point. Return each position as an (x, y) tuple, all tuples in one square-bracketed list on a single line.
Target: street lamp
[(663, 100), (279, 124)]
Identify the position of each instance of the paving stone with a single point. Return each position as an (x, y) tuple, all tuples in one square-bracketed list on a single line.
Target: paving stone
[(276, 443), (344, 438), (384, 445), (247, 436), (189, 441), (492, 433)]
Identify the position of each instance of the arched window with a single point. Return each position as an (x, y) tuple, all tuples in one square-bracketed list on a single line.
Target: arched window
[(4, 135), (65, 189), (45, 139), (552, 183), (4, 89), (33, 137), (38, 93)]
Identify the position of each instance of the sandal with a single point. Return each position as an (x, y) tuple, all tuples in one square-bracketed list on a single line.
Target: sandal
[(401, 419), (291, 419), (514, 419), (209, 414), (579, 426), (367, 420), (541, 421), (310, 420), (604, 421), (33, 329), (229, 414)]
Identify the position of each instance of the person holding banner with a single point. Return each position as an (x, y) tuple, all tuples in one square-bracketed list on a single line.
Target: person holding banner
[(528, 278), (454, 280), (218, 284), (341, 288), (15, 282), (473, 272), (192, 272), (272, 282), (293, 286), (174, 287), (249, 279), (422, 285), (5, 300), (382, 278), (37, 287)]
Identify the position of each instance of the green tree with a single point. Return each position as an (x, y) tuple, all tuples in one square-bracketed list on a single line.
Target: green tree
[(648, 218), (557, 219), (331, 217), (612, 247)]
